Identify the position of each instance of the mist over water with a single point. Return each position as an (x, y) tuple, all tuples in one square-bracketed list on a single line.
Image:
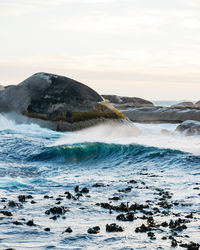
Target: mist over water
[(128, 133)]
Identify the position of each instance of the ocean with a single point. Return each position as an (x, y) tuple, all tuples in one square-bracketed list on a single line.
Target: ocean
[(50, 181)]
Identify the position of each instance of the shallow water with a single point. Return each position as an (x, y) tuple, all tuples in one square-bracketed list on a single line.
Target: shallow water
[(36, 161)]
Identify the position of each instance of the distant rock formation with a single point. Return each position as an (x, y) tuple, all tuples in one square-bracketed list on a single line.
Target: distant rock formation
[(162, 114), (123, 102), (184, 105), (189, 128), (197, 104), (56, 102)]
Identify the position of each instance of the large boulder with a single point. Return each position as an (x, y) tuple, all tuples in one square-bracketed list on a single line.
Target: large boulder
[(189, 128), (56, 102)]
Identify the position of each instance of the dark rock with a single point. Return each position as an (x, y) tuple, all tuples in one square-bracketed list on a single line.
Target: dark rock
[(33, 202), (76, 189), (84, 190), (174, 243), (125, 217), (14, 204), (6, 213), (54, 217), (98, 185), (47, 197), (56, 102), (22, 198), (115, 198), (142, 229), (114, 228), (94, 230), (30, 223), (190, 246), (164, 224), (69, 195), (47, 229), (17, 223), (56, 210), (68, 230)]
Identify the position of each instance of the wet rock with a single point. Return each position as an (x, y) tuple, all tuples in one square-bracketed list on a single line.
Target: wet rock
[(178, 224), (125, 217), (17, 223), (85, 190), (164, 224), (76, 189), (48, 197), (69, 195), (54, 217), (68, 230), (30, 223), (174, 243), (7, 213), (125, 190), (22, 198), (189, 127), (137, 206), (132, 182), (97, 185), (56, 210), (115, 198), (150, 234), (14, 204), (29, 196), (142, 229), (114, 228), (33, 202), (94, 230), (190, 246), (47, 229), (164, 238)]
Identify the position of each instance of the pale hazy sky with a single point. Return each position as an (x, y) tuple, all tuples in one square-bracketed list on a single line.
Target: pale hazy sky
[(145, 48)]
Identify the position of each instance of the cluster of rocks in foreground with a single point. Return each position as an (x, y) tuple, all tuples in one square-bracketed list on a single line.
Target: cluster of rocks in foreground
[(158, 217)]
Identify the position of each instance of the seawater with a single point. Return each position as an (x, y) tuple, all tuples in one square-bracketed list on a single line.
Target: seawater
[(38, 162)]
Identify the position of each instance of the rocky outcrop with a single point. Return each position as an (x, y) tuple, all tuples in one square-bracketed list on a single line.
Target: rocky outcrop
[(162, 114), (184, 105), (123, 102), (56, 102), (189, 128), (197, 104)]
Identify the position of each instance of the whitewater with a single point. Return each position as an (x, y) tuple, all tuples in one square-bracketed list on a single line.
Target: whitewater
[(106, 159)]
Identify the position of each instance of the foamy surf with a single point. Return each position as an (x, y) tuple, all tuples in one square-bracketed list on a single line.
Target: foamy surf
[(151, 135)]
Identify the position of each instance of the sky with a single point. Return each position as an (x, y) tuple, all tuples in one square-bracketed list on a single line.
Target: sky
[(144, 48)]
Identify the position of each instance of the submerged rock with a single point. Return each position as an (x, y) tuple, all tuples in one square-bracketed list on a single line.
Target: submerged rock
[(189, 128), (56, 102)]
